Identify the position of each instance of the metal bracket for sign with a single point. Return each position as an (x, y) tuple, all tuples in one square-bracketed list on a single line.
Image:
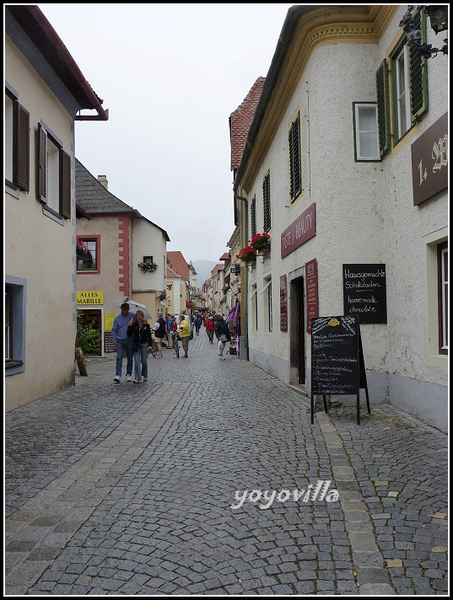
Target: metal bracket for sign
[(361, 380)]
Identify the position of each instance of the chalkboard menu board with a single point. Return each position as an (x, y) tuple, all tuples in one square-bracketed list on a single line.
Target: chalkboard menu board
[(364, 292), (337, 365)]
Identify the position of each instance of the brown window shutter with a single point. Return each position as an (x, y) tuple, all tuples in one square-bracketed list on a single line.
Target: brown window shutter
[(65, 184), (42, 164), (22, 149)]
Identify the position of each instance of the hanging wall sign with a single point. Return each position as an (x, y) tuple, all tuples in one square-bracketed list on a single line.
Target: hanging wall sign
[(430, 161), (364, 292), (300, 231)]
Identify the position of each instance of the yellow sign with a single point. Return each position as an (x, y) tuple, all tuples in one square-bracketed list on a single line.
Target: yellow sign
[(108, 321), (94, 297)]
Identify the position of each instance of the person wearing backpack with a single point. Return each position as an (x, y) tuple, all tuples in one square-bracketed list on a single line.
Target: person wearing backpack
[(222, 333), (159, 332)]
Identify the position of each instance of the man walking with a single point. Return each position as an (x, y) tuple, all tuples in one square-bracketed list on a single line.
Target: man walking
[(122, 343)]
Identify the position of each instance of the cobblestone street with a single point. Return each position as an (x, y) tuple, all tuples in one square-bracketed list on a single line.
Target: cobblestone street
[(158, 488)]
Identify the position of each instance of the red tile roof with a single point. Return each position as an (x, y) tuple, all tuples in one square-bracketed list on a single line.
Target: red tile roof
[(240, 121), (178, 263), (216, 269)]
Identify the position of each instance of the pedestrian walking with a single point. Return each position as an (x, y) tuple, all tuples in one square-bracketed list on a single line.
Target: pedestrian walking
[(184, 334), (210, 329), (168, 330), (222, 334), (159, 332), (122, 343), (197, 323), (140, 332)]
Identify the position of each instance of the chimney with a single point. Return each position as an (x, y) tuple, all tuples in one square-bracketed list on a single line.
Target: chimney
[(103, 180)]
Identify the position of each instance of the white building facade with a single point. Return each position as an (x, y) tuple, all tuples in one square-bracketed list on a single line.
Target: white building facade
[(339, 195)]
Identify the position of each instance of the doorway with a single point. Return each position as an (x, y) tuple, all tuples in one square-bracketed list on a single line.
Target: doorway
[(297, 331), (94, 318)]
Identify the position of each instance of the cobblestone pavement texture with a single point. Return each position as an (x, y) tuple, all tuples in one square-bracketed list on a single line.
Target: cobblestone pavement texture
[(130, 489)]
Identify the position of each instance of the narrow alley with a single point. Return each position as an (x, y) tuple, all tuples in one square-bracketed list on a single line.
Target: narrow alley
[(210, 479)]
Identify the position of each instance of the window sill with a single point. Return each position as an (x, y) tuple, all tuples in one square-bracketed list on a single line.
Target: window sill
[(12, 367)]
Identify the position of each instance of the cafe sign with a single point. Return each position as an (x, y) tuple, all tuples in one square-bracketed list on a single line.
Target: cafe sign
[(92, 297), (430, 161)]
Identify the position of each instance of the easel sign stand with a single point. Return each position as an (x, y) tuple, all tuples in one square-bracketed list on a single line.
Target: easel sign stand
[(337, 363)]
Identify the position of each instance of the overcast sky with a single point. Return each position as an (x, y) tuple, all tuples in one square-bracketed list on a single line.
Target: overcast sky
[(170, 75)]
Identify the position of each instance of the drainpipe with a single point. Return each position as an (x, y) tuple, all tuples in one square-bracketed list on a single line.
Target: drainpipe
[(246, 276)]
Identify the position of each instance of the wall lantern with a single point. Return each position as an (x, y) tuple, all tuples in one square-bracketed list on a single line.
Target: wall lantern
[(438, 16)]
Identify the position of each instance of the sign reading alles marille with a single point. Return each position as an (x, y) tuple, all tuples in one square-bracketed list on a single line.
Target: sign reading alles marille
[(91, 297), (300, 231)]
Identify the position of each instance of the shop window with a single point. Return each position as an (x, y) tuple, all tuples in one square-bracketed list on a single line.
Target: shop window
[(442, 263)]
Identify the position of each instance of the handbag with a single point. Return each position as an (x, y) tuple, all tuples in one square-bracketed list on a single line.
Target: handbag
[(223, 338)]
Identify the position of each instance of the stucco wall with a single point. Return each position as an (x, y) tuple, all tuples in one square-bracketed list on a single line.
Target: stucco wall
[(364, 214), (40, 250)]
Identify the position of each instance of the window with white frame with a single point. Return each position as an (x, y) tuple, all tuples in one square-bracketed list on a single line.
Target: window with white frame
[(366, 131), (402, 88), (54, 173), (402, 92)]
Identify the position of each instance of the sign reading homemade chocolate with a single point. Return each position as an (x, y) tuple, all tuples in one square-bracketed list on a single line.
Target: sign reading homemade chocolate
[(430, 161), (300, 231), (337, 364), (364, 292)]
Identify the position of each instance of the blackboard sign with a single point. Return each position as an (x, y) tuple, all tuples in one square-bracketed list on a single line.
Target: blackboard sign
[(364, 292), (337, 365)]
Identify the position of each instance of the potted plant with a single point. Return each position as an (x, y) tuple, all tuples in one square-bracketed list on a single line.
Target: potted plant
[(261, 242), (247, 254), (147, 267)]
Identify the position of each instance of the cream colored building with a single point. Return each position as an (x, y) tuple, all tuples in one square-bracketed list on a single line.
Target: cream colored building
[(44, 94), (121, 243), (345, 167)]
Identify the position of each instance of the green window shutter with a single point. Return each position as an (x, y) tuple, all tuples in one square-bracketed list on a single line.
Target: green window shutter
[(418, 72), (295, 173), (65, 185), (383, 104), (42, 164), (267, 202), (253, 217)]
